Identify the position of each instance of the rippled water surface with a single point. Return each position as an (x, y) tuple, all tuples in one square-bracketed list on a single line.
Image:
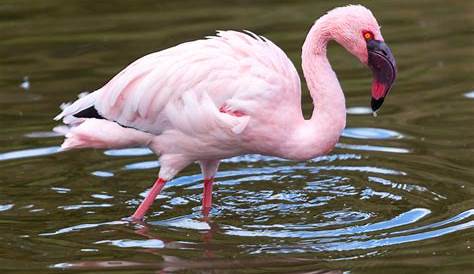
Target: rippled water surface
[(395, 196)]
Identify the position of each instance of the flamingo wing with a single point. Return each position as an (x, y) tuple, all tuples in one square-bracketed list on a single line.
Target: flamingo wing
[(223, 79)]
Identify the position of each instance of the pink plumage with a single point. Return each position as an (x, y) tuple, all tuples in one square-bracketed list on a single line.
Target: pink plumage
[(226, 95)]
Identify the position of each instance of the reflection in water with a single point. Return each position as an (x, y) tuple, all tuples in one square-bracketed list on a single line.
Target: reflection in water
[(184, 222), (269, 204), (84, 205), (469, 95), (345, 229), (26, 153), (128, 152), (288, 230), (373, 148), (61, 190), (142, 165), (371, 133), (172, 264), (105, 174), (81, 227), (153, 243), (6, 207), (359, 110), (43, 134), (342, 229)]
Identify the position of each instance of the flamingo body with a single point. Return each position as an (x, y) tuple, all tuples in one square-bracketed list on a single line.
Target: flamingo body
[(229, 94)]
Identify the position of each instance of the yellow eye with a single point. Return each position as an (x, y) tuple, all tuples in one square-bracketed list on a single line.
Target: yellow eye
[(368, 35)]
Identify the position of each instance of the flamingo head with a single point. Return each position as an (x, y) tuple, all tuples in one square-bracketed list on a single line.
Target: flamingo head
[(357, 30)]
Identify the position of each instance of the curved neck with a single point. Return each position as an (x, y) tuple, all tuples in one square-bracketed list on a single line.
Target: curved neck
[(318, 135)]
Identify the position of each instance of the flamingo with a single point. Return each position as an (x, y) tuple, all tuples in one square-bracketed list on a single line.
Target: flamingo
[(230, 94)]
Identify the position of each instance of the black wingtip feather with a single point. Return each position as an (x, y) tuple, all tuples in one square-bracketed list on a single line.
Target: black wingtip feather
[(89, 112)]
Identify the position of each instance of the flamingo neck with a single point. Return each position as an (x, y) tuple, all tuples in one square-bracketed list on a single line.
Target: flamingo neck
[(319, 134)]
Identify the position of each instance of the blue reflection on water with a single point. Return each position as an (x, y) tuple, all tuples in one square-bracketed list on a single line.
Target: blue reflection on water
[(373, 148), (469, 95), (352, 245), (128, 152), (61, 190), (104, 174), (142, 165), (6, 207), (316, 236), (371, 133), (406, 218), (27, 153), (150, 243), (460, 217)]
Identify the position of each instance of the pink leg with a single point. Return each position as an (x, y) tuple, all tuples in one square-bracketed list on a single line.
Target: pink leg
[(207, 196), (149, 199)]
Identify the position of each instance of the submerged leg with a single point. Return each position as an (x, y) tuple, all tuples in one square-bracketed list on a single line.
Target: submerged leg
[(149, 199), (207, 196), (209, 170), (171, 164)]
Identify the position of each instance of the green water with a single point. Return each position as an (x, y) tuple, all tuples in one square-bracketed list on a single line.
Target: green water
[(395, 196)]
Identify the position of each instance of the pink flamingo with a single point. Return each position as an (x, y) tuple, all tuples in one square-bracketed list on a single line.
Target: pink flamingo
[(230, 94)]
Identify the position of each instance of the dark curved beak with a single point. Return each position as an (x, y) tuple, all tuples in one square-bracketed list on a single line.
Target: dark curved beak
[(384, 69)]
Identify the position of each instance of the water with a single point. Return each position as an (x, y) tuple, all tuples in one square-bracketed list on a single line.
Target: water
[(395, 196)]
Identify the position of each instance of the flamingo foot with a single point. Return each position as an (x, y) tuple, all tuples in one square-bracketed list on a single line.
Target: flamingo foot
[(207, 196), (149, 199)]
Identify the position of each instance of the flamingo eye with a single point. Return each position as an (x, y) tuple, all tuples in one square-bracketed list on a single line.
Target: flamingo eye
[(368, 35)]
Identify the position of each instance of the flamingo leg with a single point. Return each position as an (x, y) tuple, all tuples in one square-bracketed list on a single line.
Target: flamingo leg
[(207, 196), (149, 199)]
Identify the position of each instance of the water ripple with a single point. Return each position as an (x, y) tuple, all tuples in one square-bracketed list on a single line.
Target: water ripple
[(43, 134), (469, 95), (359, 110), (406, 218), (81, 227), (151, 243), (27, 153), (349, 245), (128, 152), (6, 207), (328, 206), (373, 148), (104, 174), (142, 165), (371, 133)]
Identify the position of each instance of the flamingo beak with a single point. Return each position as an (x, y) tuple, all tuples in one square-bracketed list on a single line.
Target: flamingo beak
[(384, 69)]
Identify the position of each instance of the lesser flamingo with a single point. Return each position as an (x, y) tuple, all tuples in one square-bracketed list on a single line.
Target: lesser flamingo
[(230, 94)]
